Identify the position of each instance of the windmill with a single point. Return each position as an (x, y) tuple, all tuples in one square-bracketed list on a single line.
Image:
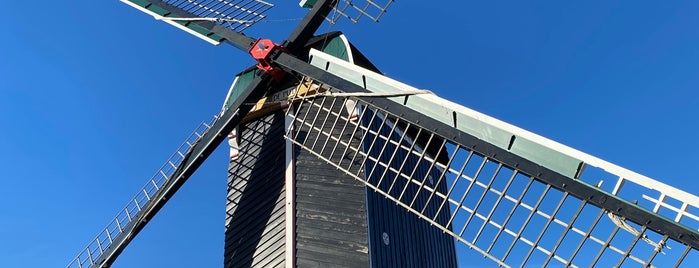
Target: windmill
[(494, 182)]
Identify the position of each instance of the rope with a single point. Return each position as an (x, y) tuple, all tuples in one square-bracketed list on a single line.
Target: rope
[(158, 17), (345, 94), (372, 94), (623, 225)]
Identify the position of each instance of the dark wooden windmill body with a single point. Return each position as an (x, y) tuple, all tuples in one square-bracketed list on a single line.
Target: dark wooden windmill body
[(280, 194)]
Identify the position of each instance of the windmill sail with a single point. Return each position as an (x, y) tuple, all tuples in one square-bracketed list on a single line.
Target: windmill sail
[(191, 16), (236, 16), (123, 226), (513, 196), (355, 10)]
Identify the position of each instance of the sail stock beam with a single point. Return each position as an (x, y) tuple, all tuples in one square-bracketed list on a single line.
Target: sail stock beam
[(107, 246)]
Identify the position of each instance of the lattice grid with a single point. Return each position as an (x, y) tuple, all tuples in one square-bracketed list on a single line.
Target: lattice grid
[(355, 10), (235, 15), (510, 217)]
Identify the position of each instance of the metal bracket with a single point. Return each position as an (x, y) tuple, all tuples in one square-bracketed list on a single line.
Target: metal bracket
[(262, 51)]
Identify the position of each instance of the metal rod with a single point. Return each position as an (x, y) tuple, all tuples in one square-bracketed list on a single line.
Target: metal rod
[(586, 237), (325, 121), (361, 142), (496, 205), (485, 192), (511, 212), (382, 150), (382, 122), (565, 232), (605, 246), (442, 176), (334, 124), (534, 209), (428, 173), (393, 155)]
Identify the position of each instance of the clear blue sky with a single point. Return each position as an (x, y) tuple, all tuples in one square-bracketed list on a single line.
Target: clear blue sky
[(95, 95)]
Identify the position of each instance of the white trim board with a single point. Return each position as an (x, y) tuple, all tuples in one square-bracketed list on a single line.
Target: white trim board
[(173, 23)]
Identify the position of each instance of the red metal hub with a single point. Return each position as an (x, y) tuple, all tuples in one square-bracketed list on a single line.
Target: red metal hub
[(261, 52)]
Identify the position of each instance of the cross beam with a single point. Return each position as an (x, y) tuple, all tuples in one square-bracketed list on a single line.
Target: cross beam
[(225, 124)]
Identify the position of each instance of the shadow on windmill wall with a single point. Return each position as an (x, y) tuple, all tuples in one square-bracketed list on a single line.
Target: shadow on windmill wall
[(331, 224), (255, 207), (399, 238)]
